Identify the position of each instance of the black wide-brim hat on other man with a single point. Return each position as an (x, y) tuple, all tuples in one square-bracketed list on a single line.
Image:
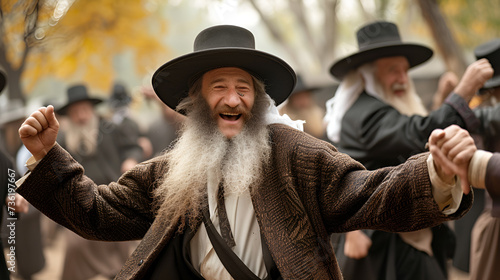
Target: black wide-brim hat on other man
[(491, 51), (76, 94), (217, 47), (377, 40)]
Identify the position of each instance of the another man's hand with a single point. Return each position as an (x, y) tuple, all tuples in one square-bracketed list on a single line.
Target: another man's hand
[(474, 78), (39, 131), (357, 244), (447, 82), (452, 149)]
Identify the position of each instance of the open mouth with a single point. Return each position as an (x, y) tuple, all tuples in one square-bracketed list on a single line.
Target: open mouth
[(230, 116)]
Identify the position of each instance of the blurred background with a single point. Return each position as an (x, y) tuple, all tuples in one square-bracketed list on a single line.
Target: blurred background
[(46, 46)]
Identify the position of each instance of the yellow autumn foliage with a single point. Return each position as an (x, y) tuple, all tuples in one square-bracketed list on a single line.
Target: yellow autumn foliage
[(473, 22), (83, 44)]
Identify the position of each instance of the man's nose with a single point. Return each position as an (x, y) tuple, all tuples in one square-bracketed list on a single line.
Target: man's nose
[(232, 98), (403, 77)]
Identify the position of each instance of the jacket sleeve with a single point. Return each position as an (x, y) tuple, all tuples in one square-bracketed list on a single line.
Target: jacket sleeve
[(58, 187), (338, 193), (391, 199), (493, 183)]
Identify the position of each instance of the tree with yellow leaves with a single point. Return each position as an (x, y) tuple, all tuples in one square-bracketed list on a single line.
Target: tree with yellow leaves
[(63, 38)]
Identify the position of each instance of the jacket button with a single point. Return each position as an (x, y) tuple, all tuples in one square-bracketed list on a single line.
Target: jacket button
[(140, 262)]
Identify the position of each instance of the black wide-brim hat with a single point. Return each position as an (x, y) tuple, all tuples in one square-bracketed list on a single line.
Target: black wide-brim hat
[(76, 94), (223, 46), (377, 40), (301, 86), (3, 81), (491, 51)]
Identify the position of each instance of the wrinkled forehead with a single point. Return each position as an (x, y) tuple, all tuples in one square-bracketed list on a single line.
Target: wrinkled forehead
[(226, 74)]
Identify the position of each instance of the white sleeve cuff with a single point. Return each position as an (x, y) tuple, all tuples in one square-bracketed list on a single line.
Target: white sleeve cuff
[(448, 196), (31, 163)]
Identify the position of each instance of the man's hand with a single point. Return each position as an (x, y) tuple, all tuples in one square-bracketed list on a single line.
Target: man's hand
[(474, 78), (447, 82), (357, 244), (39, 132), (452, 149)]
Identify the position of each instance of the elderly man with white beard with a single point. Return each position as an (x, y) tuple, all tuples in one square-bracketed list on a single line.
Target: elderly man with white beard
[(241, 194), (377, 118)]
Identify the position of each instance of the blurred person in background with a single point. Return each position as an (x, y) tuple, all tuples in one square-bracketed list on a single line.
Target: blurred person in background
[(105, 151), (485, 235), (377, 118), (119, 103), (300, 105), (10, 204), (163, 130)]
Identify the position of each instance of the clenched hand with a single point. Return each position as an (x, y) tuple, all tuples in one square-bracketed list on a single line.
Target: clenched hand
[(39, 131)]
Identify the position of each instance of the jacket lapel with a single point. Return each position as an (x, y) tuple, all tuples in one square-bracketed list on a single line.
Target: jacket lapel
[(289, 234)]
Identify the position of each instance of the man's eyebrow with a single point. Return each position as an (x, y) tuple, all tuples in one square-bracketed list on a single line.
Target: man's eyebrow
[(240, 80)]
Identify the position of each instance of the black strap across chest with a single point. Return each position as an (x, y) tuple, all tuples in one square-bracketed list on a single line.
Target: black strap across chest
[(231, 261)]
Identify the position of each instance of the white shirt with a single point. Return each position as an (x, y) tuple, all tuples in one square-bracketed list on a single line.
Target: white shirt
[(246, 233)]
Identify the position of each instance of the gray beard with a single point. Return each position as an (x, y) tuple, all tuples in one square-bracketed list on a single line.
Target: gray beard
[(202, 150), (82, 139), (409, 104)]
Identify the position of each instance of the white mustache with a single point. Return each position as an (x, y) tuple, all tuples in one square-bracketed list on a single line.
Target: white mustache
[(398, 86)]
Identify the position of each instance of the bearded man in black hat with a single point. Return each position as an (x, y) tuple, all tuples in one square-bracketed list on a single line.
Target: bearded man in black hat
[(377, 118), (105, 151), (242, 193)]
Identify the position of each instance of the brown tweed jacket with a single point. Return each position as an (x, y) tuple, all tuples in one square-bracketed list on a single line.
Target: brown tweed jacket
[(310, 190)]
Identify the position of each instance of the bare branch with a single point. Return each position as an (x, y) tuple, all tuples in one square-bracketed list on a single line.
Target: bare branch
[(275, 33), (329, 29), (297, 7), (446, 43), (366, 15)]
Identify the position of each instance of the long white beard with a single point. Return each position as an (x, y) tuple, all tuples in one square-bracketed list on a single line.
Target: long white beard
[(202, 149), (408, 104), (82, 139)]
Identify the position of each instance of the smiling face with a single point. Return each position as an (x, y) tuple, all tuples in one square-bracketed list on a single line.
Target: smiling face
[(230, 94), (392, 72)]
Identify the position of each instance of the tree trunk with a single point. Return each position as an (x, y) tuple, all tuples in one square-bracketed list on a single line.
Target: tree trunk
[(446, 43)]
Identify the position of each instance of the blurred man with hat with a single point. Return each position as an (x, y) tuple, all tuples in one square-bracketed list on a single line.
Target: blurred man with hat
[(16, 202), (300, 105), (377, 118), (119, 103), (485, 236), (105, 152), (242, 193)]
